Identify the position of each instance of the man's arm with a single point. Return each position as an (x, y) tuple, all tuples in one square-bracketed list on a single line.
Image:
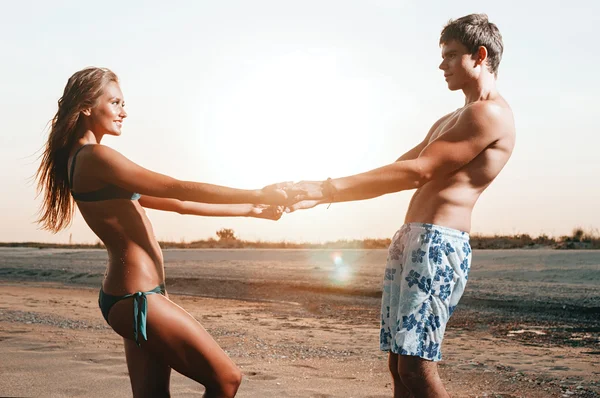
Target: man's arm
[(476, 128), (416, 151)]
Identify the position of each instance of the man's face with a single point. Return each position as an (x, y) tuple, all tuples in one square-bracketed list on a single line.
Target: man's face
[(459, 66)]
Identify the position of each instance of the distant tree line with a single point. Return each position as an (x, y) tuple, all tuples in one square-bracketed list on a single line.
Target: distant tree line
[(227, 239)]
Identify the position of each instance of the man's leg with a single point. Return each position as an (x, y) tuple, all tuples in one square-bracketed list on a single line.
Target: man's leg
[(420, 377), (400, 390)]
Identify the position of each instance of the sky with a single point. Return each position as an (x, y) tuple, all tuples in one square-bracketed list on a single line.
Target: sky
[(249, 93)]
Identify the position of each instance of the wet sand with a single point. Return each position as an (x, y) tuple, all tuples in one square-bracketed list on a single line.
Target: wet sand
[(298, 325)]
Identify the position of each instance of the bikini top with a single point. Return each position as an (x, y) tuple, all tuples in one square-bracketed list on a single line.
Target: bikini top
[(105, 193)]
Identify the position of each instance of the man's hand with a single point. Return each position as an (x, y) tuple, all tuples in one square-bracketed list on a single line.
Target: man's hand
[(305, 204), (308, 190), (283, 193)]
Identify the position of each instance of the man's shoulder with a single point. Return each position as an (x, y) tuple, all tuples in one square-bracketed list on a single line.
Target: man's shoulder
[(487, 109), (490, 116)]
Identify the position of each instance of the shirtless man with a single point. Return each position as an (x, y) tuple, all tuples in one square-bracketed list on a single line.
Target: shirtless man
[(429, 257)]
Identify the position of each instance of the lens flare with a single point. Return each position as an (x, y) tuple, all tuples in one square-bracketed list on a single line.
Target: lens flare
[(337, 259), (341, 272)]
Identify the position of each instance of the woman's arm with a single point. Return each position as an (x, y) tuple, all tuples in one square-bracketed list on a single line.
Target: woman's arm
[(212, 210), (111, 167)]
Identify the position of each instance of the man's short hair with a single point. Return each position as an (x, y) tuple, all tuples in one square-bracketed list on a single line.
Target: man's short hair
[(473, 31)]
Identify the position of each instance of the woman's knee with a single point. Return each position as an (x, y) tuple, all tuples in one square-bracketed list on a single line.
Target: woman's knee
[(227, 384), (235, 381), (143, 391)]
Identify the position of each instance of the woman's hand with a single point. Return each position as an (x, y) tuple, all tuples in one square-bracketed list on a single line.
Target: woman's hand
[(268, 212)]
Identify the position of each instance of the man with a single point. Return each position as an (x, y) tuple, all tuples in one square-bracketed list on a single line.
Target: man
[(430, 256)]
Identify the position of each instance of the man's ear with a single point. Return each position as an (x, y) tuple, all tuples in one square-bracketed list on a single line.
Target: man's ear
[(87, 111), (482, 55)]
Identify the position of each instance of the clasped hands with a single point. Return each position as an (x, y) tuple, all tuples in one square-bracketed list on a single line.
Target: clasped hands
[(275, 199)]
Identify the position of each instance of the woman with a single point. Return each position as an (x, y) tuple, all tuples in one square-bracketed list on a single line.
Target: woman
[(111, 192)]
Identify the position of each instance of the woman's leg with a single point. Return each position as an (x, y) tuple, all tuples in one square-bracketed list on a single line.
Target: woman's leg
[(178, 341), (150, 375)]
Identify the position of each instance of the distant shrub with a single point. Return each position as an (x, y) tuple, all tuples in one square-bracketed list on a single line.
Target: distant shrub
[(226, 234)]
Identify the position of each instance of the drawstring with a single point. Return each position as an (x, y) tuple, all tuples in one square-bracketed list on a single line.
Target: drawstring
[(140, 313), (140, 310)]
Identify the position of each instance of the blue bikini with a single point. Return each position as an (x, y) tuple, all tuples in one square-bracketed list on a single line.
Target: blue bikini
[(106, 301), (106, 193), (140, 308)]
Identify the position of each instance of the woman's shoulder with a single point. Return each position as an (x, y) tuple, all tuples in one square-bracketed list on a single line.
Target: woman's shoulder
[(100, 159), (103, 153)]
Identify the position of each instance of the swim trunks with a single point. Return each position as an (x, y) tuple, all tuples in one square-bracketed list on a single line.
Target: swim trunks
[(425, 276)]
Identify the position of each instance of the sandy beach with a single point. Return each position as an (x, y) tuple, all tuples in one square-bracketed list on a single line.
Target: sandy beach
[(305, 323)]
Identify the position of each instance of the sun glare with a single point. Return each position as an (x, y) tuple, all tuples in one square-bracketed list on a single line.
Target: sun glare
[(293, 117)]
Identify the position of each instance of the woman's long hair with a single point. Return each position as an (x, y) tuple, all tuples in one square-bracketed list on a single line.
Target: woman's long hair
[(81, 92)]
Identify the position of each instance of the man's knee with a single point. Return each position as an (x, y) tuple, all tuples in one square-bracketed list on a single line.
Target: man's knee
[(415, 372), (411, 378), (393, 366)]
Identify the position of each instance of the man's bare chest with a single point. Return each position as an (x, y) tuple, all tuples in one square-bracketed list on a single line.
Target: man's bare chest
[(445, 125)]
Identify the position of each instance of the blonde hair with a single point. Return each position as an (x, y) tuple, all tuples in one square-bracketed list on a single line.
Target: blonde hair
[(81, 92)]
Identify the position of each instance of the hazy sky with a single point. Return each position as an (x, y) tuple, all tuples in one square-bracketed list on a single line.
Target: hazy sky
[(248, 93)]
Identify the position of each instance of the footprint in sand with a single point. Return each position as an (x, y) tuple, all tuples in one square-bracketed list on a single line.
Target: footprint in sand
[(45, 348), (258, 376), (99, 360), (75, 392), (295, 326), (306, 366), (16, 331), (559, 368), (505, 395)]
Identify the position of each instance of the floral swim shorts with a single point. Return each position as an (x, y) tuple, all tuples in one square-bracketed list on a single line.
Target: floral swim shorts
[(425, 276)]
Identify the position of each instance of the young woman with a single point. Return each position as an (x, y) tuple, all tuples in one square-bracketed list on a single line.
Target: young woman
[(111, 192)]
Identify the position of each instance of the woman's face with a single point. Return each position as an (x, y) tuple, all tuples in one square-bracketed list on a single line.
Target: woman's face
[(108, 114)]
